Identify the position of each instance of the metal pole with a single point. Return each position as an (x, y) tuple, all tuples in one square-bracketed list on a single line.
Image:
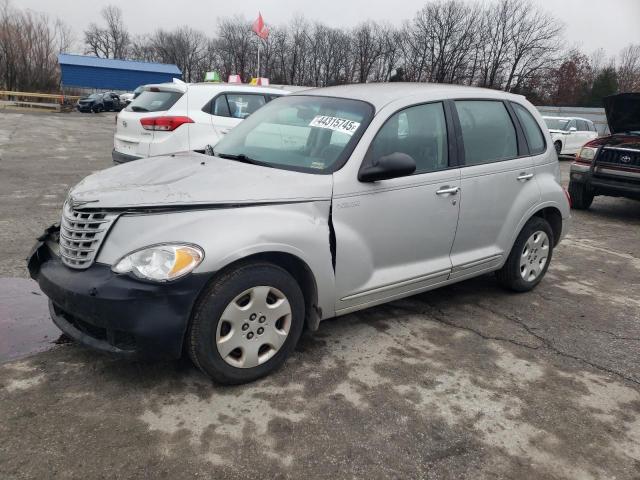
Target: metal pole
[(258, 76)]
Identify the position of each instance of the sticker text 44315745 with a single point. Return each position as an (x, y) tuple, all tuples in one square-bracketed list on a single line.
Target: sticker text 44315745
[(334, 123)]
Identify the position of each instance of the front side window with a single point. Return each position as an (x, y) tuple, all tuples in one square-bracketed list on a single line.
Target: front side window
[(582, 126), (301, 132), (535, 139), (420, 132), (488, 133)]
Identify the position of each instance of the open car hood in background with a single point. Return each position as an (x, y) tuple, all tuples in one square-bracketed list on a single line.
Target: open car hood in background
[(623, 112)]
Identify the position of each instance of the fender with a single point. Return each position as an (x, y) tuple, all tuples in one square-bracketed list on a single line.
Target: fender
[(229, 235)]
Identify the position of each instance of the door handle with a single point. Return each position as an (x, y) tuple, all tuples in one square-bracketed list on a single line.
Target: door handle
[(224, 131), (447, 190), (523, 177)]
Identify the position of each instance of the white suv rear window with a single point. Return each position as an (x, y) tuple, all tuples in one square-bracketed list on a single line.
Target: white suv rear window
[(154, 101)]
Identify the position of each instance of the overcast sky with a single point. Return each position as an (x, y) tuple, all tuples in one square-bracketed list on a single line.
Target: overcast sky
[(589, 24)]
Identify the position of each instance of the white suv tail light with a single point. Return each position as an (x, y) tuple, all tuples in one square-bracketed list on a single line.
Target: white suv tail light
[(164, 124)]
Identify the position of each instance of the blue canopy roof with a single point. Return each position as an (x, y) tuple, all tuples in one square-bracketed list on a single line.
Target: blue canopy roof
[(86, 61)]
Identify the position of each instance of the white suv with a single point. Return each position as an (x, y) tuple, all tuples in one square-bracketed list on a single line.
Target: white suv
[(177, 117), (568, 134)]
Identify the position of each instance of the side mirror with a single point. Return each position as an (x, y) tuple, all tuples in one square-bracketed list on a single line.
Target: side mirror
[(573, 129), (390, 166)]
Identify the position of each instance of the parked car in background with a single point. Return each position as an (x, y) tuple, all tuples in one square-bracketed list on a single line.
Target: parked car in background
[(319, 204), (100, 102), (610, 165), (177, 117), (127, 98), (568, 134)]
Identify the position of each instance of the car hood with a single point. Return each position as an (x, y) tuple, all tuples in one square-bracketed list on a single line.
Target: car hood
[(623, 112), (617, 140), (192, 179)]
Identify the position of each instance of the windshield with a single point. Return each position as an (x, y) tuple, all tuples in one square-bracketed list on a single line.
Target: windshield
[(304, 133), (94, 96), (557, 123)]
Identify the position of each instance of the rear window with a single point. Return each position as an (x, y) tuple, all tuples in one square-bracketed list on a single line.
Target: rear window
[(154, 101)]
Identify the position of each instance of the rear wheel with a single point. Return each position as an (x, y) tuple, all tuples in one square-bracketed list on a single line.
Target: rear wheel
[(529, 258), (247, 323), (581, 196)]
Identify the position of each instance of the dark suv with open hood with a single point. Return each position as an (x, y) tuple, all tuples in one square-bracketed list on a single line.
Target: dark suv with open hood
[(610, 165)]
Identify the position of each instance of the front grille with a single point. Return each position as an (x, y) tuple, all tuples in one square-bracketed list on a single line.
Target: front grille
[(619, 157), (81, 234)]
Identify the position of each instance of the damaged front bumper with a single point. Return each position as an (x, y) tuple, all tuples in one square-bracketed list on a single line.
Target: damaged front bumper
[(114, 313)]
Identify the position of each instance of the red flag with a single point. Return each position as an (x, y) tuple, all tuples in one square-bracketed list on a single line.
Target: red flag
[(259, 28)]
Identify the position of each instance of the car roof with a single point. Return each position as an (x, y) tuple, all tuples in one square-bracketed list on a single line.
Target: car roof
[(380, 94), (245, 87)]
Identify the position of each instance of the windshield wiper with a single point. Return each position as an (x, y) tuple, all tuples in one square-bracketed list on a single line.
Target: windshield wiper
[(138, 109), (241, 157)]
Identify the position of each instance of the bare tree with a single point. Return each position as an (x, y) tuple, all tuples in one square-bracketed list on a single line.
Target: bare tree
[(629, 69), (111, 41), (29, 43)]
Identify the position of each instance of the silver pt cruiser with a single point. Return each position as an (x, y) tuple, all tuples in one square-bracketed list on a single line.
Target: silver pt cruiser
[(319, 204)]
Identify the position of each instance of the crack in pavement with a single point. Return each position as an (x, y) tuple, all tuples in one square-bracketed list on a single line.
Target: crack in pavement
[(618, 337), (440, 317)]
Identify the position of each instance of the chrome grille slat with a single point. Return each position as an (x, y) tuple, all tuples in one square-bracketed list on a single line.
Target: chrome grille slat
[(81, 234)]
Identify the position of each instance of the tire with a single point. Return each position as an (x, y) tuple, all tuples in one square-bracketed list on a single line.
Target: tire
[(516, 274), (581, 196), (558, 146), (211, 337)]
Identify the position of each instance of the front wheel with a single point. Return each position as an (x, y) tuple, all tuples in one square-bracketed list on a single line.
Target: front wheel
[(529, 258), (581, 196), (246, 324)]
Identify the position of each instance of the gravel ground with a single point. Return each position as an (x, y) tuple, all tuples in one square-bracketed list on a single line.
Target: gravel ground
[(463, 382)]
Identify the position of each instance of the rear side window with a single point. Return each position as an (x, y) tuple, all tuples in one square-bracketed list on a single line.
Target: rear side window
[(488, 133), (535, 139), (420, 132), (149, 101), (237, 105), (220, 107)]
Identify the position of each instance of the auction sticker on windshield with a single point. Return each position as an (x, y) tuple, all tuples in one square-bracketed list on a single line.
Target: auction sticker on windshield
[(334, 123)]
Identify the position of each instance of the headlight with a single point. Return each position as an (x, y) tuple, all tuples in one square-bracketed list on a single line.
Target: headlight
[(161, 263), (587, 153)]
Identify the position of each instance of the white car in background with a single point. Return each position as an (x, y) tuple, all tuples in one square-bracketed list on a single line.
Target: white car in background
[(570, 133), (178, 117)]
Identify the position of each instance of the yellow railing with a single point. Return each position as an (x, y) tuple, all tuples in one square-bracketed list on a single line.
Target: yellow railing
[(45, 96), (37, 101)]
